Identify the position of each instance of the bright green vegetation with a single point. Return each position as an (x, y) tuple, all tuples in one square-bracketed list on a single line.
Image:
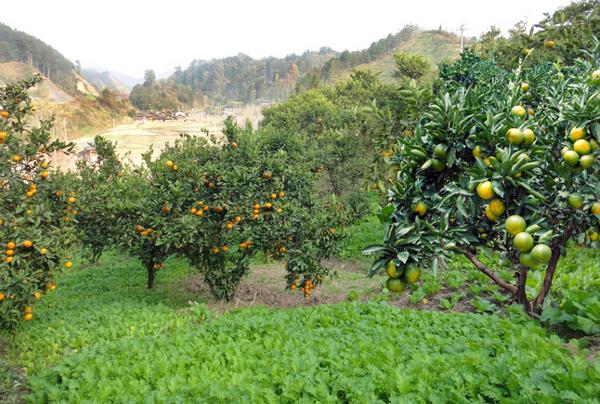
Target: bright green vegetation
[(102, 336)]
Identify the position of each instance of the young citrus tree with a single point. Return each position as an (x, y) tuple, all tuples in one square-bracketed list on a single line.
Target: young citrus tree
[(37, 207), (501, 161), (234, 198)]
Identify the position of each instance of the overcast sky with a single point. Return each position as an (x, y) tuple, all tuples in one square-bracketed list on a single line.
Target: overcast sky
[(130, 36)]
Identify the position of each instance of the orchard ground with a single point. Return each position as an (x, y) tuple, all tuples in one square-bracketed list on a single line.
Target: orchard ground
[(102, 310)]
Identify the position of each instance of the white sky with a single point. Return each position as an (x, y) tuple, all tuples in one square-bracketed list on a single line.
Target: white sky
[(130, 36)]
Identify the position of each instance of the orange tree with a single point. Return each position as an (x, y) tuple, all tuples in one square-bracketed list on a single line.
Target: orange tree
[(229, 199), (501, 161), (37, 206)]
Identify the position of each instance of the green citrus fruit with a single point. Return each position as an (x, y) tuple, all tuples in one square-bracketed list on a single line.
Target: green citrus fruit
[(523, 241), (477, 152), (437, 165), (549, 44), (541, 253), (586, 161), (575, 201), (440, 151), (420, 208), (571, 157), (525, 52), (395, 285), (412, 274), (595, 208), (489, 214), (515, 224), (527, 260), (392, 270), (524, 87)]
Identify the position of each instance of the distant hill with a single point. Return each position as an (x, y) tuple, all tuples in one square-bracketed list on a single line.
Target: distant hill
[(437, 46), (105, 79), (23, 55), (245, 80)]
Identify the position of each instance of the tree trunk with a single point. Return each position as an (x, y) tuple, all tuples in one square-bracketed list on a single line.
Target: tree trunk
[(521, 290), (560, 243), (151, 272), (491, 274)]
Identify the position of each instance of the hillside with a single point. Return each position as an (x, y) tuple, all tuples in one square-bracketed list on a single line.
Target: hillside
[(105, 80), (437, 46), (13, 71), (243, 79)]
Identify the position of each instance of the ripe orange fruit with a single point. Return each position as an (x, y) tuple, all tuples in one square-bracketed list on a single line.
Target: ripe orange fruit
[(27, 243), (528, 137), (485, 190), (420, 208), (582, 146), (16, 158), (30, 194), (44, 164), (3, 136), (229, 226), (514, 136), (8, 260), (28, 316), (71, 199), (489, 214), (43, 251), (267, 175), (169, 163), (4, 114), (193, 210), (595, 208), (234, 145), (166, 209), (10, 253), (215, 250), (524, 87), (1, 296), (257, 207), (283, 250), (281, 194), (273, 196), (44, 174), (519, 111), (225, 248), (199, 213), (68, 264), (174, 168), (268, 205), (576, 133), (497, 207), (515, 224), (218, 209), (28, 309), (144, 233), (238, 219), (139, 228), (11, 245)]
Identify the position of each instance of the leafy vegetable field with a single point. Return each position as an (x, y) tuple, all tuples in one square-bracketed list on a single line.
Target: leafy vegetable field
[(103, 337)]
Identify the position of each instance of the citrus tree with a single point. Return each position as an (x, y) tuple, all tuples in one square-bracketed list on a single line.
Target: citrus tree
[(501, 161), (37, 206)]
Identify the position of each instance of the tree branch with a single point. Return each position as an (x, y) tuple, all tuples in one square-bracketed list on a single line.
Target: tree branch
[(491, 274), (552, 265)]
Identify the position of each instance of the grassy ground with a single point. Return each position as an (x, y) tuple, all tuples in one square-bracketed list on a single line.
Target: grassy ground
[(102, 334)]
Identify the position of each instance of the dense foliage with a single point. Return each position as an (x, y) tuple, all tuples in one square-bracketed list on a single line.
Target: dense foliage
[(112, 340), (36, 207)]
